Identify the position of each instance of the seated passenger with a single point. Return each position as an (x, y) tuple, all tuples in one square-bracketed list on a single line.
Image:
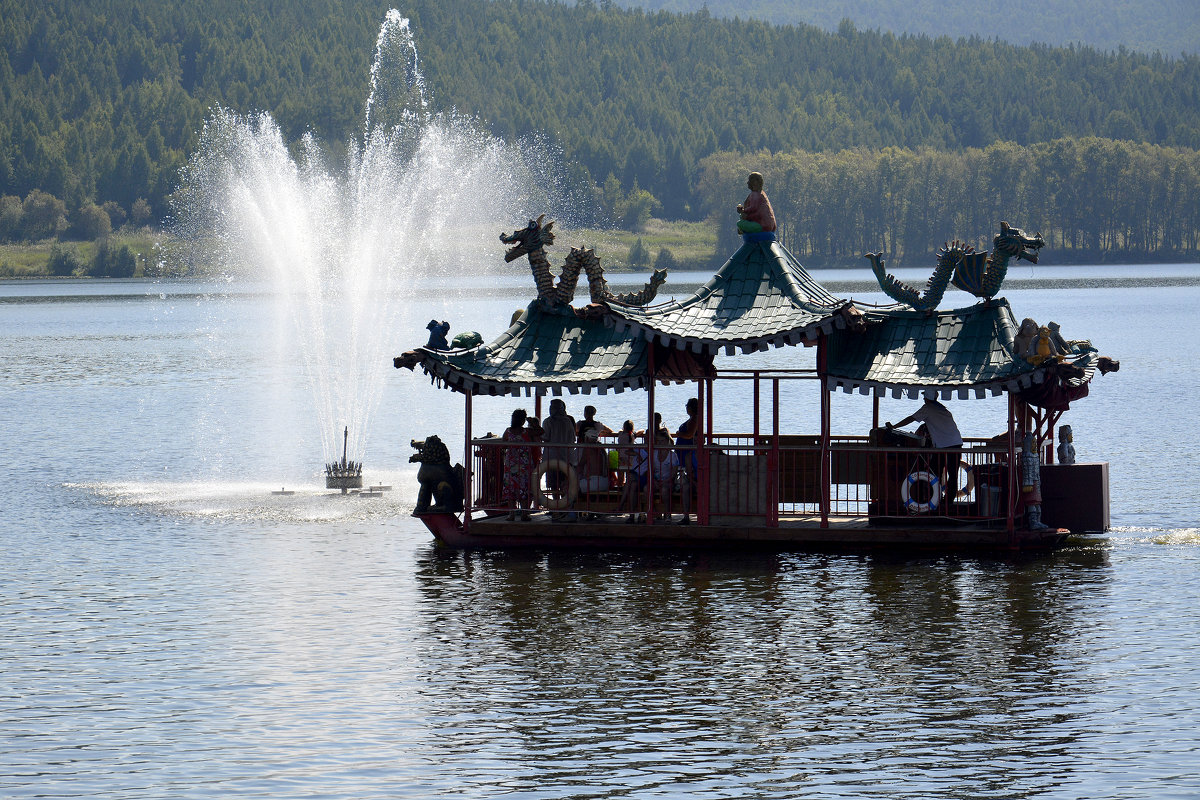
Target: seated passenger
[(589, 422), (668, 475), (635, 477), (593, 464)]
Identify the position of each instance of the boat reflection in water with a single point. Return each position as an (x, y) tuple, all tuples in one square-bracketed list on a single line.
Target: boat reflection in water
[(773, 669)]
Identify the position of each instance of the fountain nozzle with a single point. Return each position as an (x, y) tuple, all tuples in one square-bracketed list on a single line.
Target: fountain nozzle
[(344, 475)]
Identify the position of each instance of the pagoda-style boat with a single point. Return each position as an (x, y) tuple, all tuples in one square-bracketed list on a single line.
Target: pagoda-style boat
[(775, 485)]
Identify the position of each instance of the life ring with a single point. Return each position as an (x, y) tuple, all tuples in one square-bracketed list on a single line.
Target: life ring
[(935, 492), (968, 485), (563, 468)]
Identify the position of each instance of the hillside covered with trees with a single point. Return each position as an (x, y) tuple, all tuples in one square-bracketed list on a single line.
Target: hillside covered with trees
[(1170, 27), (101, 103)]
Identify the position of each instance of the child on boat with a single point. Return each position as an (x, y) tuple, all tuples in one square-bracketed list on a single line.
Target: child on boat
[(634, 462), (668, 474)]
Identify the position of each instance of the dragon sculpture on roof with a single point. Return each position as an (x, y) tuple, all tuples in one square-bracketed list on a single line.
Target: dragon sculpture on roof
[(532, 241), (979, 272)]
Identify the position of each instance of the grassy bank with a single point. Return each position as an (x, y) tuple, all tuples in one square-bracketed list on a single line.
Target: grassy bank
[(33, 260), (691, 244)]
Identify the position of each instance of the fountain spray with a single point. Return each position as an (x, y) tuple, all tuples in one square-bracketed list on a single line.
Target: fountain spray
[(339, 246)]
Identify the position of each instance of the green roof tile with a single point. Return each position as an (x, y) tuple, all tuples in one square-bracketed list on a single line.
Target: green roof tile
[(911, 352), (761, 297)]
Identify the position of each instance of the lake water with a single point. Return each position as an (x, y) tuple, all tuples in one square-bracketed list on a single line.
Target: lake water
[(172, 629)]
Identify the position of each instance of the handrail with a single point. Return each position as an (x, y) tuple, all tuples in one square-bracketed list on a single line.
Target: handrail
[(775, 478)]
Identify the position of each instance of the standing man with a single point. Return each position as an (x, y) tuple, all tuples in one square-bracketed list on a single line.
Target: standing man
[(943, 434), (559, 435)]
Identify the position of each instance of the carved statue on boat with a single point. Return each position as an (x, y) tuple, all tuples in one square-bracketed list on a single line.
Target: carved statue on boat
[(441, 484), (979, 272), (532, 241)]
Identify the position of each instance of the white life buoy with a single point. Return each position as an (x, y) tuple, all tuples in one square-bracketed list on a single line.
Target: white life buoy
[(968, 485), (935, 492), (565, 500)]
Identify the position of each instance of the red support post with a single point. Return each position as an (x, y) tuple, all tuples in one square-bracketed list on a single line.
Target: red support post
[(773, 462), (822, 366), (756, 411), (702, 497), (468, 471), (650, 431), (1013, 467), (1051, 422)]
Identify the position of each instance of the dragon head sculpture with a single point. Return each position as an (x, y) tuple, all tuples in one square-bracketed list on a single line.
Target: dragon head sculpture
[(978, 272), (533, 236), (1014, 243)]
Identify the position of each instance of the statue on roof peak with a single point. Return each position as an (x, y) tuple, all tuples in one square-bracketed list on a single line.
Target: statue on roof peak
[(532, 241), (979, 272), (755, 214)]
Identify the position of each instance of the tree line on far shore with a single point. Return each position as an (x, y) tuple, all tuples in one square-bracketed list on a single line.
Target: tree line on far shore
[(1093, 200)]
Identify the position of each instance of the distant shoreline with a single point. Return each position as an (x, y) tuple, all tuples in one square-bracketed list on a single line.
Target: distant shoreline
[(689, 247)]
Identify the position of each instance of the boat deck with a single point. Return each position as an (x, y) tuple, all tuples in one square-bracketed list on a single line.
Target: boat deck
[(543, 530)]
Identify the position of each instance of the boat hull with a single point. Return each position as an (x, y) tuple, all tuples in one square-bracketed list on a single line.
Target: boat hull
[(614, 533)]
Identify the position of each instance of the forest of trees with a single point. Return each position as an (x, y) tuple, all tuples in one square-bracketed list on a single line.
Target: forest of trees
[(1087, 197), (1170, 27), (101, 103)]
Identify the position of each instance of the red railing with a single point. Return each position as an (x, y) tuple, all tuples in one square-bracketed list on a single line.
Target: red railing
[(737, 478), (593, 479)]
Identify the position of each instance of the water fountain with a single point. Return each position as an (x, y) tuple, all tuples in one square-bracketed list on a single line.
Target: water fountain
[(338, 244)]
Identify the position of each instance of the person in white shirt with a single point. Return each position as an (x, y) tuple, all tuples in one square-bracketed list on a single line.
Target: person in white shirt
[(943, 434)]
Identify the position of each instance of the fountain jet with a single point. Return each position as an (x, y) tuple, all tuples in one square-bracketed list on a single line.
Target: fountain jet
[(340, 244)]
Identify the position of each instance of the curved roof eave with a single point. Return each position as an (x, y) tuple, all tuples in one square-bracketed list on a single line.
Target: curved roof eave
[(463, 381), (962, 391)]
